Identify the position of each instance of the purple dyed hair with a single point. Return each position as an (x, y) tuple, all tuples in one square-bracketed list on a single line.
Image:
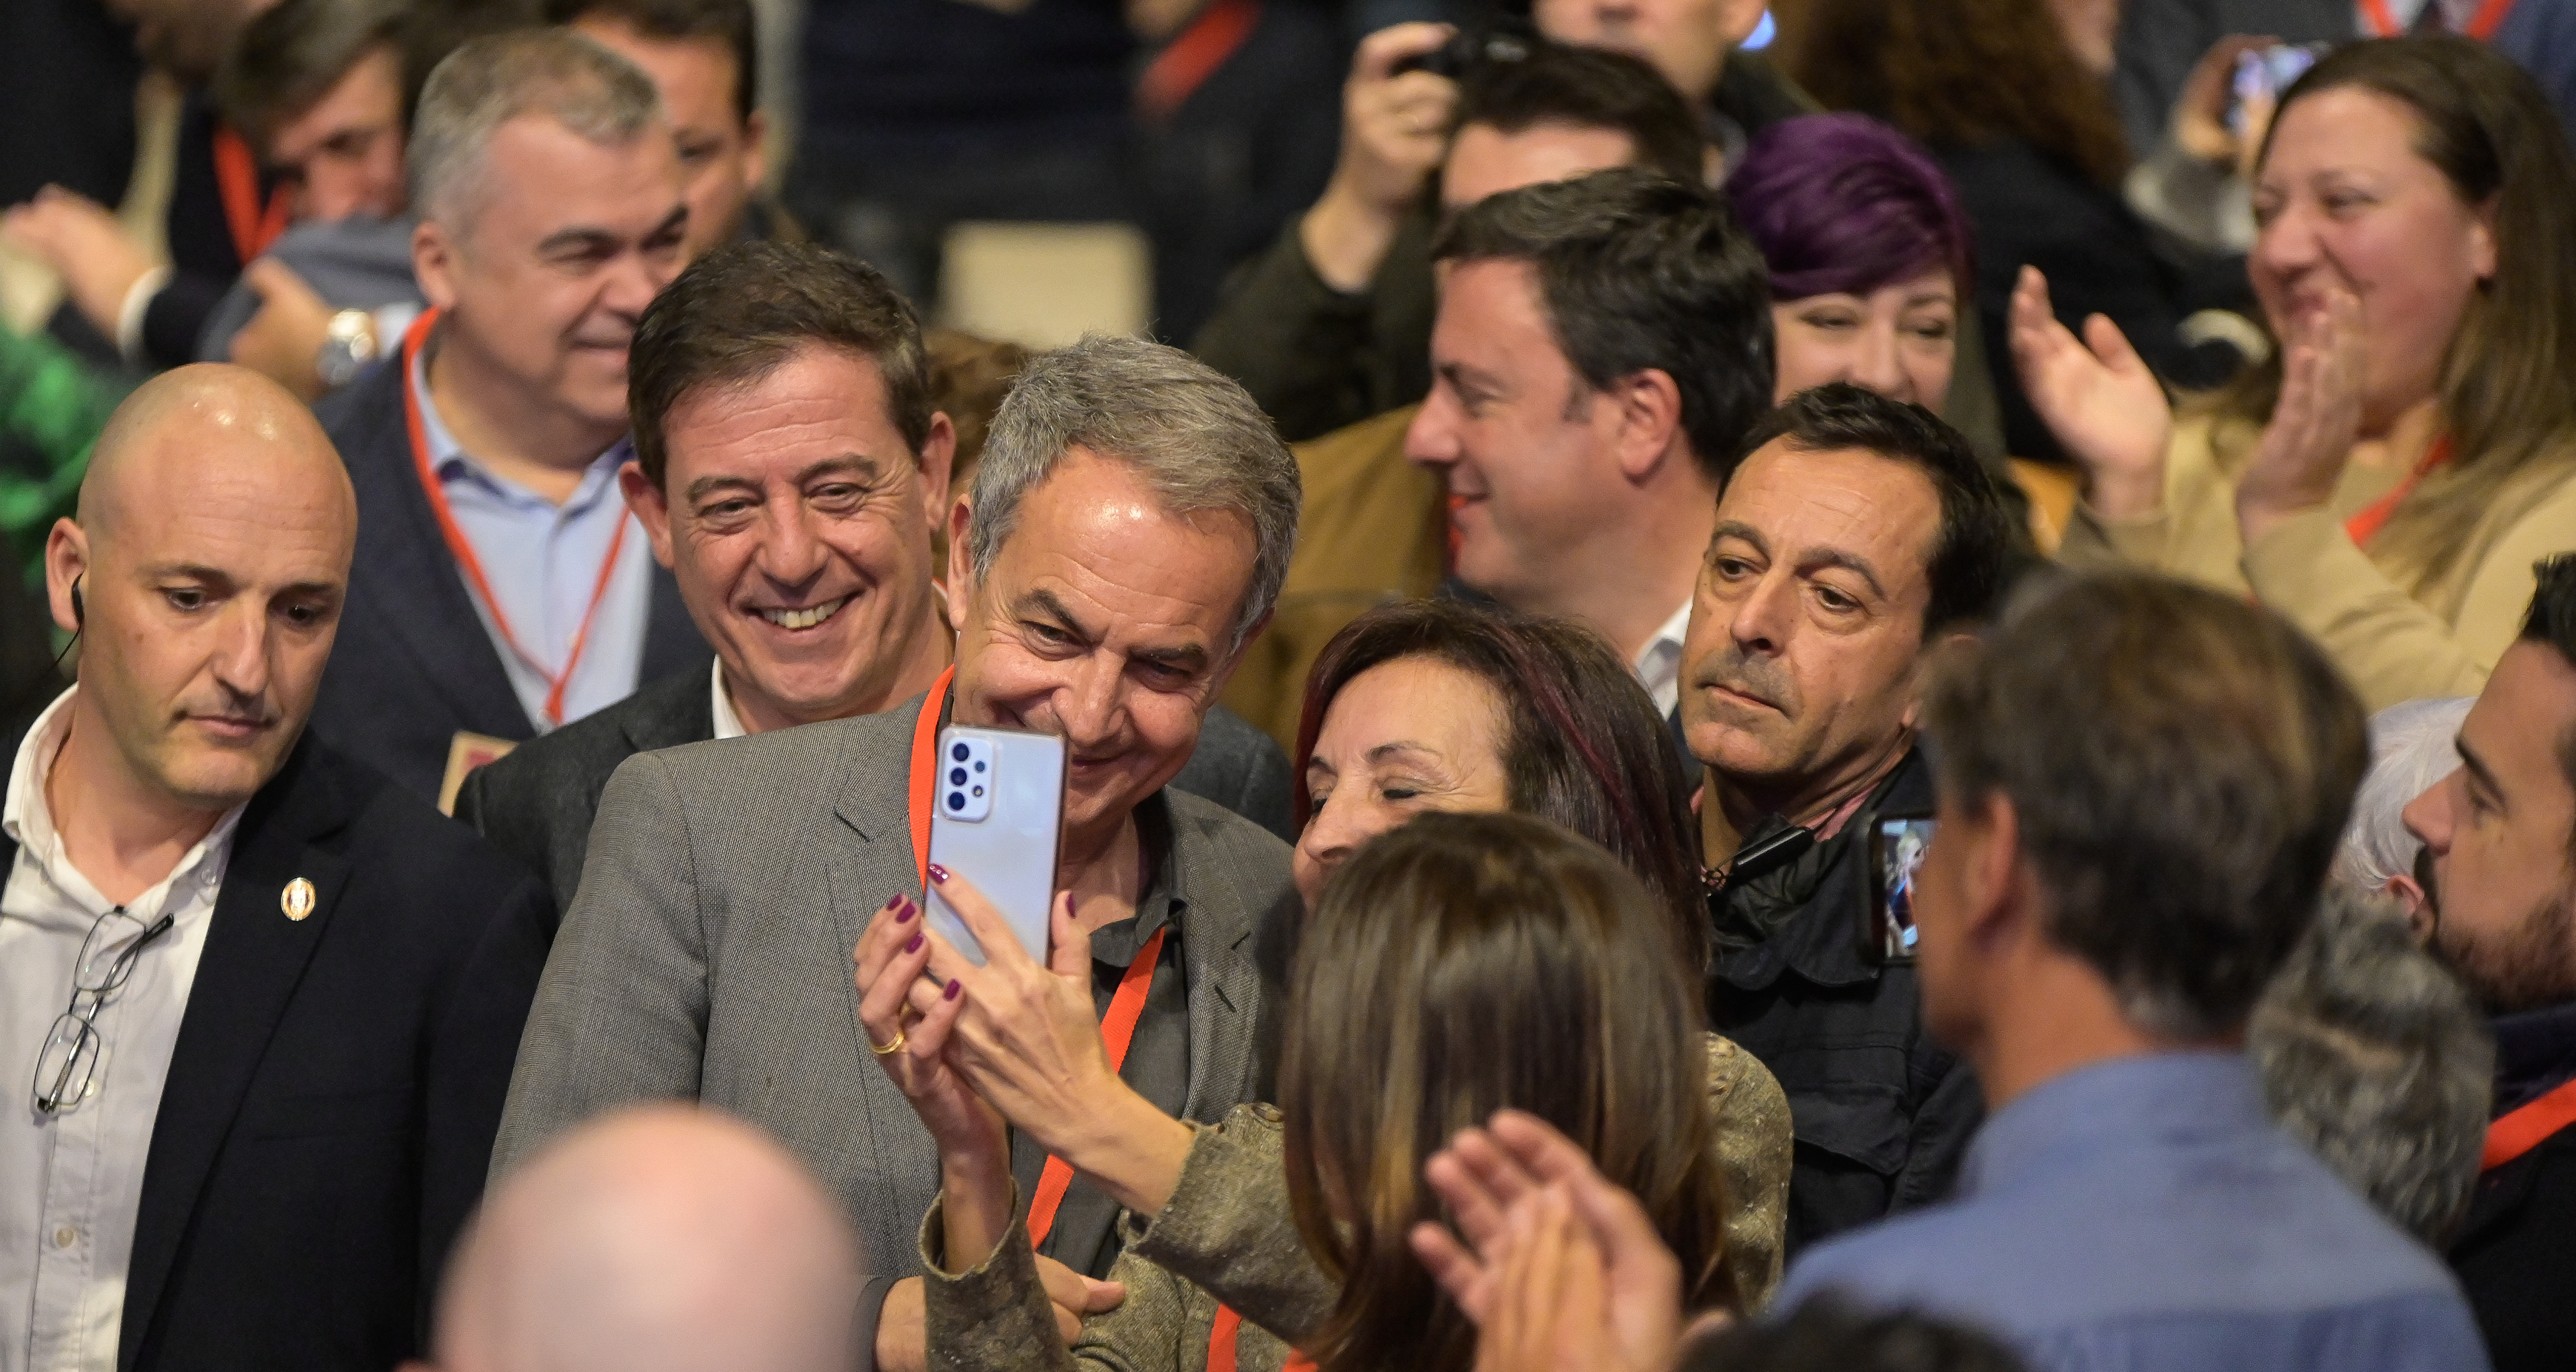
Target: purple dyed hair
[(1843, 203)]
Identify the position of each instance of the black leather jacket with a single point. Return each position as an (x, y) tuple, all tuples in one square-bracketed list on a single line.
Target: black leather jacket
[(1881, 1113)]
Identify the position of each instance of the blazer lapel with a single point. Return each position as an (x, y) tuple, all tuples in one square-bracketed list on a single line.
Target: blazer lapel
[(418, 592), (254, 957)]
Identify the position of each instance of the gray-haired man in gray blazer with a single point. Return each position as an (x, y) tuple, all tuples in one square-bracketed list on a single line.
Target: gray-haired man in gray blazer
[(1127, 533)]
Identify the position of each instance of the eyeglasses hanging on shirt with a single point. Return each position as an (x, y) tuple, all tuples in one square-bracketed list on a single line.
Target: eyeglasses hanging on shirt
[(67, 1068)]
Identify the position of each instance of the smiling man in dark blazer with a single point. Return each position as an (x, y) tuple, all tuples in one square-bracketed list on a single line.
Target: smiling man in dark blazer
[(260, 1003), (500, 588), (796, 509)]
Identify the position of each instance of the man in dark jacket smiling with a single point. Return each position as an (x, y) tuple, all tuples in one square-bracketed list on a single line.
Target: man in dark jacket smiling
[(1855, 531)]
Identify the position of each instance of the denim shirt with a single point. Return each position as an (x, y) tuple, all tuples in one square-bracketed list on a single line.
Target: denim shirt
[(2143, 1213)]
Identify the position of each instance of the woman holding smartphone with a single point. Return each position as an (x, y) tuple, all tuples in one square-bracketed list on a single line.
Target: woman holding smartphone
[(1459, 965), (1413, 708)]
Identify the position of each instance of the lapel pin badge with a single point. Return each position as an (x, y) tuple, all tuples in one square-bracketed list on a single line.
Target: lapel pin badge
[(297, 899)]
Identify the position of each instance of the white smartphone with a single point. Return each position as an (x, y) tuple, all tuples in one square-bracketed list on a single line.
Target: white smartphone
[(996, 817)]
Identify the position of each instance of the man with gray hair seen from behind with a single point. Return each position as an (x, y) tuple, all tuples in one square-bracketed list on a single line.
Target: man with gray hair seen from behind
[(501, 588), (2139, 786), (1128, 530), (2374, 1057), (656, 1239)]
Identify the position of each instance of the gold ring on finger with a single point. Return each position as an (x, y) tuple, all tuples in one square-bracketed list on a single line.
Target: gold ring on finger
[(890, 1049)]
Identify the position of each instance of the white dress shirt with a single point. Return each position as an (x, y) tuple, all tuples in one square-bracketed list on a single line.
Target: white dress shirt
[(70, 1184), (1659, 666), (728, 720)]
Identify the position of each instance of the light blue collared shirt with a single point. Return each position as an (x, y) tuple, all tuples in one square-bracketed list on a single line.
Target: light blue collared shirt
[(543, 561), (2143, 1214)]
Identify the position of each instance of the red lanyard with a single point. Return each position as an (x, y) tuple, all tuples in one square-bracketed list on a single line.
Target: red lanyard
[(1227, 1332), (1126, 1004), (2482, 25), (2528, 1126), (2366, 524), (237, 181), (463, 551)]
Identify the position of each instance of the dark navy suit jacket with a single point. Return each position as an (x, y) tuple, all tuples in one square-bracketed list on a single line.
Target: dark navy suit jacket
[(332, 1098), (413, 665)]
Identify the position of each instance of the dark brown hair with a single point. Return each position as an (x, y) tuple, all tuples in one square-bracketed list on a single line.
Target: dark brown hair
[(1957, 73), (729, 21), (288, 58), (1454, 967), (2505, 397), (1582, 744), (740, 311), (1587, 88), (2181, 763), (1636, 271), (2551, 620)]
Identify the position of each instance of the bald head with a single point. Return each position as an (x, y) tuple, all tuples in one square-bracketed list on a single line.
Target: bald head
[(206, 573), (212, 422), (661, 1239)]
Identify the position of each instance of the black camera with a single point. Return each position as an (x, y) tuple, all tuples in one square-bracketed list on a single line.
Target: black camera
[(1469, 49)]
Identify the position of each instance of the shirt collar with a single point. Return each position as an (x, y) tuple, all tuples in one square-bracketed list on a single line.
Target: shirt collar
[(1162, 903), (728, 720), (1659, 663), (2154, 1096), (27, 818), (449, 459)]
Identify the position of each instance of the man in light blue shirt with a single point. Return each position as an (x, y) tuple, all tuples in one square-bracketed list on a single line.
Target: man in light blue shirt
[(2140, 786), (501, 589)]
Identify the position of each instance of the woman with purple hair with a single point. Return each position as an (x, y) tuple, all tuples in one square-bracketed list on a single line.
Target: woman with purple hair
[(1868, 253)]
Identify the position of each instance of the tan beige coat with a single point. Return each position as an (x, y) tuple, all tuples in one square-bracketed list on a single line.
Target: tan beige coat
[(2440, 639)]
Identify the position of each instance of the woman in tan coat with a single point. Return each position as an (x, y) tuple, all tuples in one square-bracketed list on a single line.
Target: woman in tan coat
[(1457, 966), (2389, 479)]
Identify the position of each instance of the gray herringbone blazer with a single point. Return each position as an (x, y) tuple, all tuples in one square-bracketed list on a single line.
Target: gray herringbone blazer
[(707, 957)]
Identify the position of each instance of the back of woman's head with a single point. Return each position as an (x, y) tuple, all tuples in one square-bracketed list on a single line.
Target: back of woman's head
[(1582, 743), (1453, 967), (2505, 396), (1843, 204)]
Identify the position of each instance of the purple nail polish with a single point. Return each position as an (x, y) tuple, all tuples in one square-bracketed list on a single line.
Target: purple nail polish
[(904, 910), (953, 988), (938, 874), (914, 946)]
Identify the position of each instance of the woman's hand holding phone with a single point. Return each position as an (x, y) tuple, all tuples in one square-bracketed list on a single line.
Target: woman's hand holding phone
[(1029, 1042)]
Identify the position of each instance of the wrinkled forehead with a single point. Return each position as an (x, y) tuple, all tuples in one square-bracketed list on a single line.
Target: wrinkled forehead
[(1844, 504)]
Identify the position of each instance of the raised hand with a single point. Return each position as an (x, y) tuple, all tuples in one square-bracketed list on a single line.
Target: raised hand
[(2098, 397), (1491, 1178), (1395, 131), (908, 1020), (2315, 423), (85, 245), (1029, 1041)]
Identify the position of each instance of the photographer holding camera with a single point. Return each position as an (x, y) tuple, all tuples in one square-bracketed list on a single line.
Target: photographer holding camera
[(1333, 324)]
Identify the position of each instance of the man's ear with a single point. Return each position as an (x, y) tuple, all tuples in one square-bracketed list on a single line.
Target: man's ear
[(960, 589), (1913, 715), (67, 556), (936, 464), (1997, 901), (1650, 423), (652, 507), (433, 263)]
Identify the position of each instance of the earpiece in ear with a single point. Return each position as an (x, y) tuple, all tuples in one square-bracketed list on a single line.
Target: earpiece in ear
[(80, 613)]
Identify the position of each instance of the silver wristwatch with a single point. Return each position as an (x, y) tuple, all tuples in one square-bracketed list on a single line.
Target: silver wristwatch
[(348, 345)]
